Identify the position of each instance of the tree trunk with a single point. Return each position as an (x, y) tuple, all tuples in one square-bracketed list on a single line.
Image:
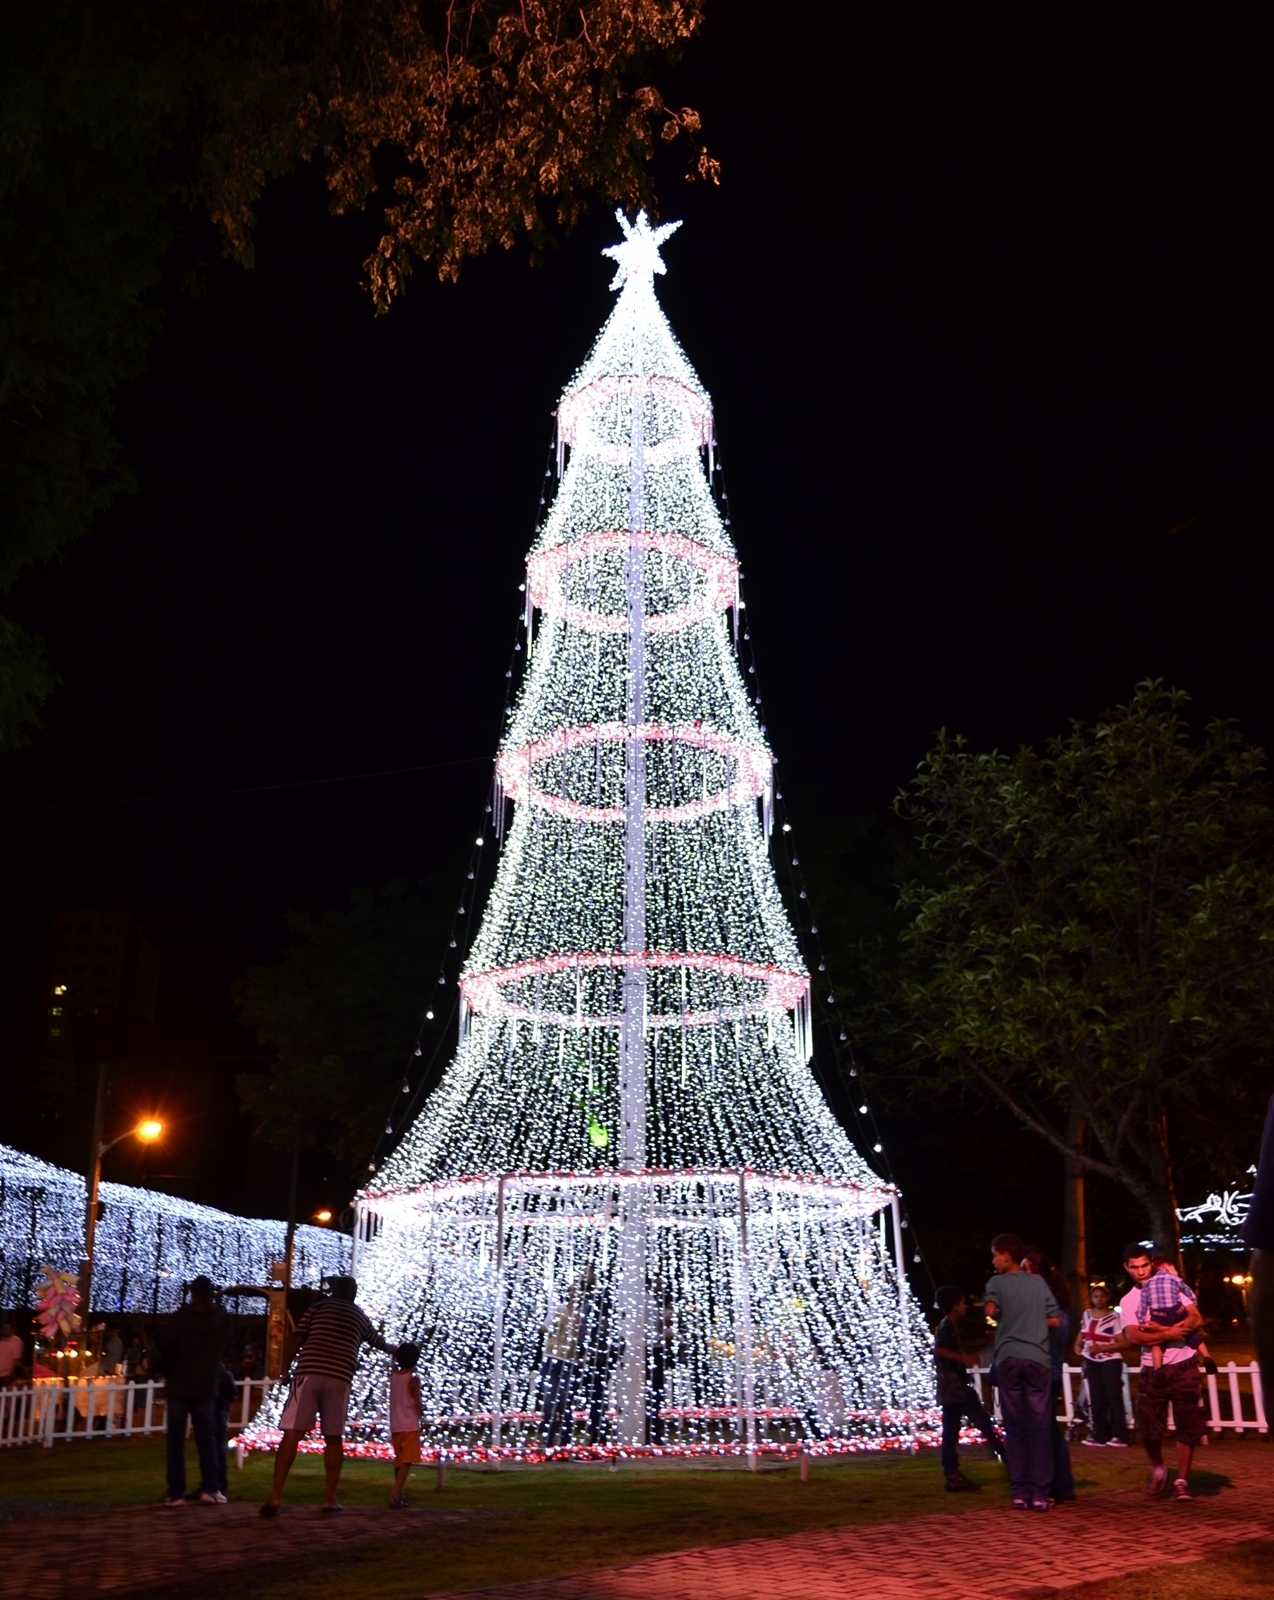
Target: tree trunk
[(1165, 1227), (1074, 1262)]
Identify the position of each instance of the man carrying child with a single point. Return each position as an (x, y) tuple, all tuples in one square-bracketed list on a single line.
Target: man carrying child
[(1177, 1382)]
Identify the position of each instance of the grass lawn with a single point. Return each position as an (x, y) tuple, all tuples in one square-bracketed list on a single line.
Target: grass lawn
[(532, 1522)]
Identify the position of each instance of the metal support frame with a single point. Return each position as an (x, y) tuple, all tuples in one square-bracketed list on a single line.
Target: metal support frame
[(743, 1339), (631, 1309), (901, 1268), (497, 1354)]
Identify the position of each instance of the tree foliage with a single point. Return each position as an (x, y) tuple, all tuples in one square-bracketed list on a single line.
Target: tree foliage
[(471, 124), (340, 1011), (1094, 928)]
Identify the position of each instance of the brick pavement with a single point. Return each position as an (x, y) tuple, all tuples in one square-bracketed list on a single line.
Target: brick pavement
[(949, 1556), (151, 1550)]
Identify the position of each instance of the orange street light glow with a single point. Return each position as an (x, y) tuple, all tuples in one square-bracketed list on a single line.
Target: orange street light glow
[(149, 1130), (322, 1216)]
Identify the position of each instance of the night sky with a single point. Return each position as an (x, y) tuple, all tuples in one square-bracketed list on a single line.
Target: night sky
[(983, 305)]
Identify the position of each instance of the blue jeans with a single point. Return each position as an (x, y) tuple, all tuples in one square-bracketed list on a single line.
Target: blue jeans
[(1026, 1403), (220, 1440), (953, 1414), (200, 1415)]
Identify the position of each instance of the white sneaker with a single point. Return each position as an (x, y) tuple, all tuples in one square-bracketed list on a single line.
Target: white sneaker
[(1096, 1444), (1116, 1444), (219, 1497)]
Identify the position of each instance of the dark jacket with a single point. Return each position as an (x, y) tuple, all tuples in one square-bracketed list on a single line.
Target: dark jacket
[(191, 1350)]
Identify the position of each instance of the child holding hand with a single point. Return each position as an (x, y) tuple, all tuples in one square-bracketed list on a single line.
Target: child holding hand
[(404, 1418)]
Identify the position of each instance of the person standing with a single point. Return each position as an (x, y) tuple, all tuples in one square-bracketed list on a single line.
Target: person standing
[(661, 1358), (1258, 1235), (404, 1419), (1023, 1308), (189, 1352), (1103, 1369), (331, 1332), (112, 1353), (956, 1395), (1062, 1486), (1177, 1383), (561, 1362), (222, 1403), (12, 1351)]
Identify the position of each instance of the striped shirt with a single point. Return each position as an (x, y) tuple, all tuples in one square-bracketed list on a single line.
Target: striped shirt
[(331, 1333)]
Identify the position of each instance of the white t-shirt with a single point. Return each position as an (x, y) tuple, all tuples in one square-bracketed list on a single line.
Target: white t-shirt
[(1130, 1311), (10, 1354), (404, 1410)]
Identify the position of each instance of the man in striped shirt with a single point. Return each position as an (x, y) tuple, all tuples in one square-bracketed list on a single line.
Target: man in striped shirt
[(332, 1332)]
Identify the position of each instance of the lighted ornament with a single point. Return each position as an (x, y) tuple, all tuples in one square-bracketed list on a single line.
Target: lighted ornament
[(629, 1144), (57, 1305)]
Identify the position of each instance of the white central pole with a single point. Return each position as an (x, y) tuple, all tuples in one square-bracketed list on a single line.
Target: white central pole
[(631, 1305)]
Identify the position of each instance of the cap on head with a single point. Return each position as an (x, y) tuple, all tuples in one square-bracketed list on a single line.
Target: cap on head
[(202, 1288)]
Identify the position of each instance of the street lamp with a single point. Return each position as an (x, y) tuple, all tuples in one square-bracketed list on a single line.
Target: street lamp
[(148, 1130)]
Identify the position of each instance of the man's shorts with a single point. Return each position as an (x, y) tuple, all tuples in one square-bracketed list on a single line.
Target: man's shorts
[(316, 1395), (406, 1447), (1177, 1384)]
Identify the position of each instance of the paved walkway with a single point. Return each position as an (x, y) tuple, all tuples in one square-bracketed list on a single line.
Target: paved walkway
[(153, 1551), (965, 1555)]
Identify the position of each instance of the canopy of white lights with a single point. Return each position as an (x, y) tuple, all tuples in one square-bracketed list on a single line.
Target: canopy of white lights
[(148, 1245)]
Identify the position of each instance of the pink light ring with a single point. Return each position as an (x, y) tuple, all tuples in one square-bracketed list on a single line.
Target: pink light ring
[(784, 987), (517, 774), (815, 1184), (576, 411), (545, 568)]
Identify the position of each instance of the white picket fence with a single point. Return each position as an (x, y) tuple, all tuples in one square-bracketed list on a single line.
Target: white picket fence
[(49, 1410), (1218, 1419)]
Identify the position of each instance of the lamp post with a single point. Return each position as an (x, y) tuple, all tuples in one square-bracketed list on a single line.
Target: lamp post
[(148, 1131)]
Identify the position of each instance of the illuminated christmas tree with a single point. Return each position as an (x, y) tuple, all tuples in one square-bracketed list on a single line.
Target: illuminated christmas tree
[(627, 1217)]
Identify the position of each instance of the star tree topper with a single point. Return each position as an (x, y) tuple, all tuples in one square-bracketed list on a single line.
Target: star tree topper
[(638, 256)]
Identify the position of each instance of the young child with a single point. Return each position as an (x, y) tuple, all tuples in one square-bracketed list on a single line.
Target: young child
[(956, 1395), (1165, 1300), (404, 1417), (1103, 1369)]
